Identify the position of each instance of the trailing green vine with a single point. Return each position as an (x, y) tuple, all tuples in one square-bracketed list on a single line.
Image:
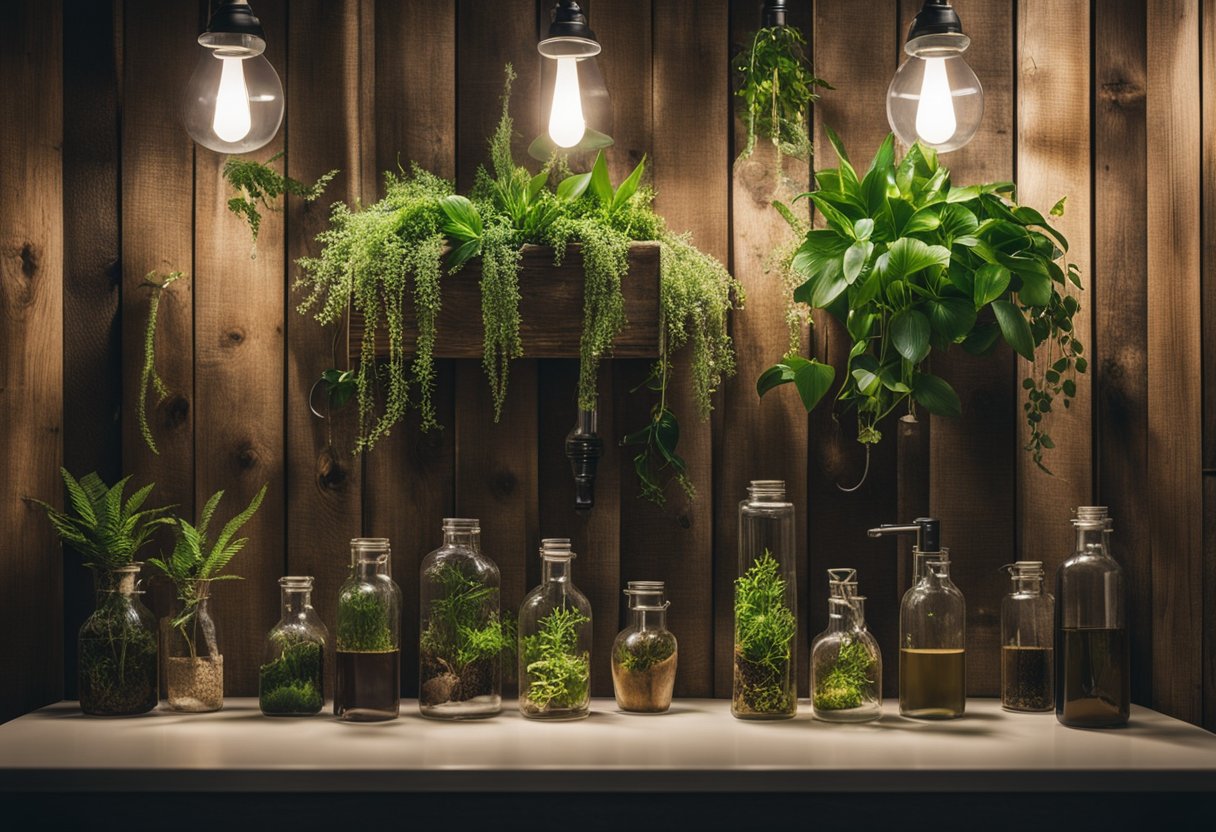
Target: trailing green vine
[(148, 377), (257, 184)]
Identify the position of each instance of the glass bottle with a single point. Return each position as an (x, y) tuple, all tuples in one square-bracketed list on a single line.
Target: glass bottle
[(846, 664), (117, 671), (291, 681), (1093, 679), (462, 637), (1027, 664), (368, 639), (766, 606), (195, 667), (555, 641), (645, 653)]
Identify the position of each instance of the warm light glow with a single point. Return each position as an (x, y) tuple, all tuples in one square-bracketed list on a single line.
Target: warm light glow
[(232, 120), (935, 121), (566, 123)]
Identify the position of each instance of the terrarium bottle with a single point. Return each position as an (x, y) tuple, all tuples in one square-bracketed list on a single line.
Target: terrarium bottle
[(766, 606), (461, 634), (195, 667), (1027, 664), (1093, 680), (846, 664), (645, 653), (117, 672), (291, 681), (555, 641), (368, 639)]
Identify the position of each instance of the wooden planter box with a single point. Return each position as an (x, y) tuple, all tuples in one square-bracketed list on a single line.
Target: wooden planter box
[(550, 309)]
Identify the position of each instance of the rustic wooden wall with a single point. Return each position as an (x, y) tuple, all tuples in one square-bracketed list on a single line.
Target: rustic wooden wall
[(106, 187)]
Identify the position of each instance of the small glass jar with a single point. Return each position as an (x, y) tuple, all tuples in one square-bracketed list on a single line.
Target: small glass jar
[(195, 667), (368, 637), (645, 653), (117, 670), (1027, 663), (846, 664), (461, 638), (291, 682), (555, 641)]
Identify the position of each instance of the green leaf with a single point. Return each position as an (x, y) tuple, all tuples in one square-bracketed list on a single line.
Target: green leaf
[(991, 281), (982, 339), (926, 219), (1014, 328), (935, 395), (860, 324), (836, 219), (907, 255), (813, 380), (966, 194), (866, 374), (629, 187), (572, 187), (880, 175), (952, 318), (1057, 210), (774, 376), (1035, 289), (957, 223), (863, 228), (463, 222), (536, 184), (855, 259), (601, 185), (910, 334)]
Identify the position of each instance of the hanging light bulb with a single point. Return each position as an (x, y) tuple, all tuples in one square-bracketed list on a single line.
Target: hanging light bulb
[(935, 97), (579, 95), (234, 101), (566, 123)]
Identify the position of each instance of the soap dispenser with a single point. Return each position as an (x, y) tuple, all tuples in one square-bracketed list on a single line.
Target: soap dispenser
[(932, 629)]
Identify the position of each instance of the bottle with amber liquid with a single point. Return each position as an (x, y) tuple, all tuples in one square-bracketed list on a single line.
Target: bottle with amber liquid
[(1027, 664)]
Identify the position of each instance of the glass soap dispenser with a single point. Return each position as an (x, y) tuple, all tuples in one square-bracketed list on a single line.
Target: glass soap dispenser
[(846, 664), (555, 641), (932, 629), (462, 638), (1093, 679), (291, 681), (644, 654), (766, 606), (1027, 665), (368, 640)]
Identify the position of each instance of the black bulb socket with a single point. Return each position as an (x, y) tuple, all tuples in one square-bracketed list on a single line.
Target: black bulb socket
[(584, 451), (774, 13), (936, 17)]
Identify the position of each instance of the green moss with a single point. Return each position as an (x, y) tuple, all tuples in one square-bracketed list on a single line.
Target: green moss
[(844, 685), (363, 622), (644, 653), (764, 634), (293, 683), (557, 675)]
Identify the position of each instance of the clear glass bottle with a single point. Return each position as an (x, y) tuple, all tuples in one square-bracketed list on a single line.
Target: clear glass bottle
[(1027, 663), (846, 664), (555, 641), (462, 637), (117, 672), (645, 653), (368, 638), (766, 606), (1093, 678), (291, 681), (195, 667)]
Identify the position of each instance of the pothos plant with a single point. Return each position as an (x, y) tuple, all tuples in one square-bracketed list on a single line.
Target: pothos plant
[(911, 264)]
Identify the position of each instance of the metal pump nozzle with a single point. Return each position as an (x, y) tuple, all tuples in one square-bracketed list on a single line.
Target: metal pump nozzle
[(927, 531)]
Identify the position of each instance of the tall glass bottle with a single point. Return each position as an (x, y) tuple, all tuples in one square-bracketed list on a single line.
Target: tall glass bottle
[(1027, 664), (291, 681), (461, 635), (766, 606), (117, 648), (368, 684), (194, 672), (555, 641), (1093, 679), (644, 654), (846, 664)]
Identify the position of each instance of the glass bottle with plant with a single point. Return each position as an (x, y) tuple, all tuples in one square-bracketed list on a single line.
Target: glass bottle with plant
[(291, 682), (117, 645), (645, 653), (846, 664), (555, 641), (195, 665), (463, 636), (368, 640), (766, 603)]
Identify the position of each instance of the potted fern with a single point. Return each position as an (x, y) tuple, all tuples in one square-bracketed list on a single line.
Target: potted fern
[(195, 665), (117, 645)]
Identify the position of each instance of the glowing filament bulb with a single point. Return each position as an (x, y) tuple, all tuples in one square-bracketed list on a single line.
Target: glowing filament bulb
[(566, 123), (232, 121), (935, 121)]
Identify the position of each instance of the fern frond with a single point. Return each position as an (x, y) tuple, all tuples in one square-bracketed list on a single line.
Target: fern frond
[(230, 529), (208, 511), (81, 504)]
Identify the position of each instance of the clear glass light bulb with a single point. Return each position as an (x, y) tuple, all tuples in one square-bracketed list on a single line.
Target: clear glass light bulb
[(566, 122), (935, 98), (935, 120), (232, 120)]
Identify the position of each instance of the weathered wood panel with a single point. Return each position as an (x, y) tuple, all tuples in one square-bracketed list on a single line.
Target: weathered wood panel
[(31, 352), (1208, 235)]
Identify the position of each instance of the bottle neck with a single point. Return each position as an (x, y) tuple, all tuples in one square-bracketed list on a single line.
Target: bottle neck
[(930, 566), (295, 601), (555, 570), (463, 538), (371, 568), (1091, 540), (1028, 586), (846, 614), (649, 619), (120, 581)]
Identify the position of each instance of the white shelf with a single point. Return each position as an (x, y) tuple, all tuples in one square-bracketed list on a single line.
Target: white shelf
[(697, 747)]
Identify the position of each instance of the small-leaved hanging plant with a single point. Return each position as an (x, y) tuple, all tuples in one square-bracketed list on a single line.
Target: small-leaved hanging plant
[(258, 186), (148, 377)]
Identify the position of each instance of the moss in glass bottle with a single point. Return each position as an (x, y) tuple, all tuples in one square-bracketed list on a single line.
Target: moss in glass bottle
[(644, 654), (368, 638), (292, 680), (555, 641)]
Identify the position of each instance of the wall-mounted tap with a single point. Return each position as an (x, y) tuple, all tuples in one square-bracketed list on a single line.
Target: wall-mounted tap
[(584, 449)]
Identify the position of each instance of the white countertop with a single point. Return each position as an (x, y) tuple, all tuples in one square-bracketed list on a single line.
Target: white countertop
[(697, 746)]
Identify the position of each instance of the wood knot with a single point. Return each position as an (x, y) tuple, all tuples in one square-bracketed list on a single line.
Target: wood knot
[(246, 456), (177, 410), (1122, 94), (331, 474), (233, 337), (503, 483), (30, 255)]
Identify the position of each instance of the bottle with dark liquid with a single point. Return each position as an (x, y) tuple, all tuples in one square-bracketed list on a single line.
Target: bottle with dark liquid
[(368, 638), (1027, 666), (1093, 678)]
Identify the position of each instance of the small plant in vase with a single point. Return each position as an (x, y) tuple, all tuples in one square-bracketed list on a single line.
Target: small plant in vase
[(556, 674), (764, 631), (195, 664)]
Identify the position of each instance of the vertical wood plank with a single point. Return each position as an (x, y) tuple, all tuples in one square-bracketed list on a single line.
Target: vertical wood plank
[(1208, 234), (408, 480), (1175, 403), (754, 438), (837, 521), (1120, 300), (31, 352)]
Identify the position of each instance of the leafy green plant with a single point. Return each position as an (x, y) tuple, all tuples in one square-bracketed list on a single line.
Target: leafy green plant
[(764, 635), (363, 622), (462, 627), (911, 265), (642, 654), (148, 377), (775, 86), (843, 686), (292, 683), (557, 674), (196, 561), (258, 185)]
